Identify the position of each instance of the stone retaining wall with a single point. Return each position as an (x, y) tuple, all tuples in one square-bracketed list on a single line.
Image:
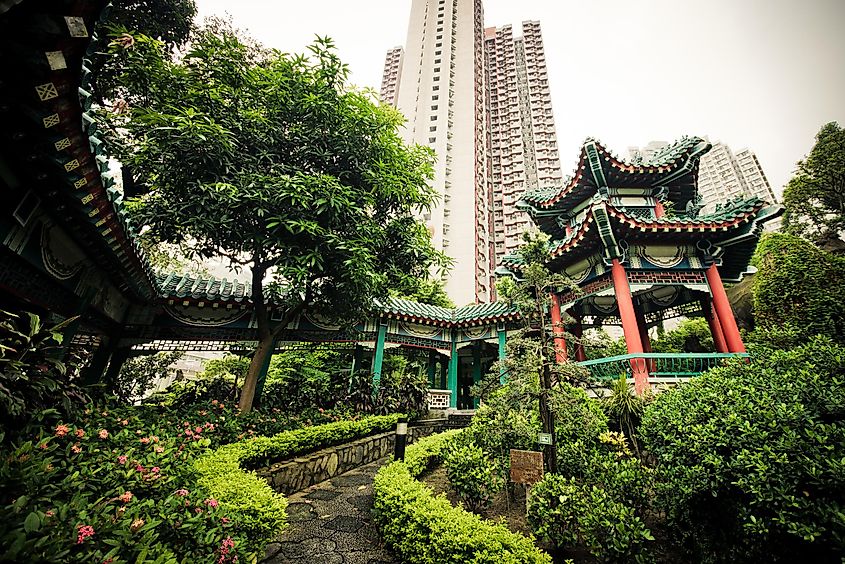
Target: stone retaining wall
[(297, 474)]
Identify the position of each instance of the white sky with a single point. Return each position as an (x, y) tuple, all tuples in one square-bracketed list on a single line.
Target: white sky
[(763, 74)]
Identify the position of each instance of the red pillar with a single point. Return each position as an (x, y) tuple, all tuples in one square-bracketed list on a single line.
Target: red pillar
[(715, 326), (578, 331), (643, 328), (723, 310), (557, 331), (629, 324)]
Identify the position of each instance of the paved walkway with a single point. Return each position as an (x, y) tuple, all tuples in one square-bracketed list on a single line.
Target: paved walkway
[(330, 523)]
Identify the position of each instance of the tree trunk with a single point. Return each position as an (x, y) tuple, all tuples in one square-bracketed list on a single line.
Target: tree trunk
[(547, 420), (259, 360)]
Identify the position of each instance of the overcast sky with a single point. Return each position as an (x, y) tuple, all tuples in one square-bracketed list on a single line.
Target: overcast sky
[(763, 74)]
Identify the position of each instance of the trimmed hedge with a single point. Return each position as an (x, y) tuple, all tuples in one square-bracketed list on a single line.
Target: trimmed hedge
[(262, 511), (424, 529)]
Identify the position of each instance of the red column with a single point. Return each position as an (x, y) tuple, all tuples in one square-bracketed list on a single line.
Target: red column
[(723, 310), (578, 331), (643, 328), (629, 324), (715, 326), (557, 331)]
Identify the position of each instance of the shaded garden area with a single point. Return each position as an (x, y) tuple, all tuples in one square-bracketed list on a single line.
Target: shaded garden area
[(303, 182)]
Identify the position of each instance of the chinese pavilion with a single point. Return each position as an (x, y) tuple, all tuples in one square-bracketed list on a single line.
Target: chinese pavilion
[(630, 238)]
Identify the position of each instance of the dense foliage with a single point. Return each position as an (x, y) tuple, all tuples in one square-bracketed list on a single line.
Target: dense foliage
[(274, 162), (472, 474), (424, 529), (113, 487), (567, 513), (139, 374), (34, 383), (800, 285), (751, 457), (815, 197)]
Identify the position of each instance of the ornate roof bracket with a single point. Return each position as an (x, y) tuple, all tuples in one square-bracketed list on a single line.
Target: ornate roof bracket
[(612, 248), (595, 164), (711, 253)]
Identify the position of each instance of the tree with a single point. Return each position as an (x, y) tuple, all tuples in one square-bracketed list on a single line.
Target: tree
[(137, 375), (270, 160), (815, 197), (532, 297), (425, 291), (171, 21)]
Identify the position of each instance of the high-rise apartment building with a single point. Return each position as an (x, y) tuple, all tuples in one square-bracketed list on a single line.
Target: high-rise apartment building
[(522, 137), (722, 174), (441, 93), (392, 75), (480, 99)]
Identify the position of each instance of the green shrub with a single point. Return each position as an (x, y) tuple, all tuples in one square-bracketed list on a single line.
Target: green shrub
[(472, 475), (611, 530), (424, 529), (553, 510), (579, 420), (33, 383), (691, 335), (751, 457), (429, 450), (567, 513), (112, 486), (799, 284)]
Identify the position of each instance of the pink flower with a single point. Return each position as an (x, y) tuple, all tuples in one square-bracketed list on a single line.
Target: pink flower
[(79, 433), (225, 520), (155, 469), (139, 468), (198, 510), (226, 547), (43, 446), (103, 434), (121, 459), (62, 430), (214, 402), (159, 449), (188, 432), (83, 532), (145, 440), (125, 497), (181, 492), (198, 430), (76, 449), (125, 422), (136, 524), (211, 502), (49, 513)]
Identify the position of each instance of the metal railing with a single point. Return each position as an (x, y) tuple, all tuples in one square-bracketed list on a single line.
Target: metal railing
[(660, 366)]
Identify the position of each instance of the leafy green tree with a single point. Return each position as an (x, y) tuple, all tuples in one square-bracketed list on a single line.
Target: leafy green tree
[(531, 295), (171, 21), (137, 375), (690, 334), (273, 161), (425, 291), (815, 197), (798, 285)]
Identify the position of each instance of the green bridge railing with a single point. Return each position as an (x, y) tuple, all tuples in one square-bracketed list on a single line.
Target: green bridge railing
[(660, 366)]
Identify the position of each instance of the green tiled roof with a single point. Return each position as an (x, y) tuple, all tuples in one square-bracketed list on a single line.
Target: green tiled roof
[(183, 286)]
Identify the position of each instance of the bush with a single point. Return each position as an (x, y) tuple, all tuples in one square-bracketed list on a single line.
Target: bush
[(424, 529), (472, 475), (263, 451), (109, 487), (567, 513), (691, 335), (798, 284), (579, 420), (751, 457), (33, 383)]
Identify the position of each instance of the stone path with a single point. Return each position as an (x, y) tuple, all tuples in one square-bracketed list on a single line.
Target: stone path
[(330, 523)]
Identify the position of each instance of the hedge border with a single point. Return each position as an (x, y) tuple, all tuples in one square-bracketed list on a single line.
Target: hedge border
[(426, 529), (237, 489)]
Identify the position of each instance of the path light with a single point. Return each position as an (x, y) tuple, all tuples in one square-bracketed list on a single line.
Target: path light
[(401, 439)]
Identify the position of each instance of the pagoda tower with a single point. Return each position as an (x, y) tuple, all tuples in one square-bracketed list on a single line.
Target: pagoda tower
[(630, 237)]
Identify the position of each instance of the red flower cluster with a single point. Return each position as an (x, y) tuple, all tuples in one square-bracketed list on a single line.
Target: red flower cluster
[(84, 532)]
